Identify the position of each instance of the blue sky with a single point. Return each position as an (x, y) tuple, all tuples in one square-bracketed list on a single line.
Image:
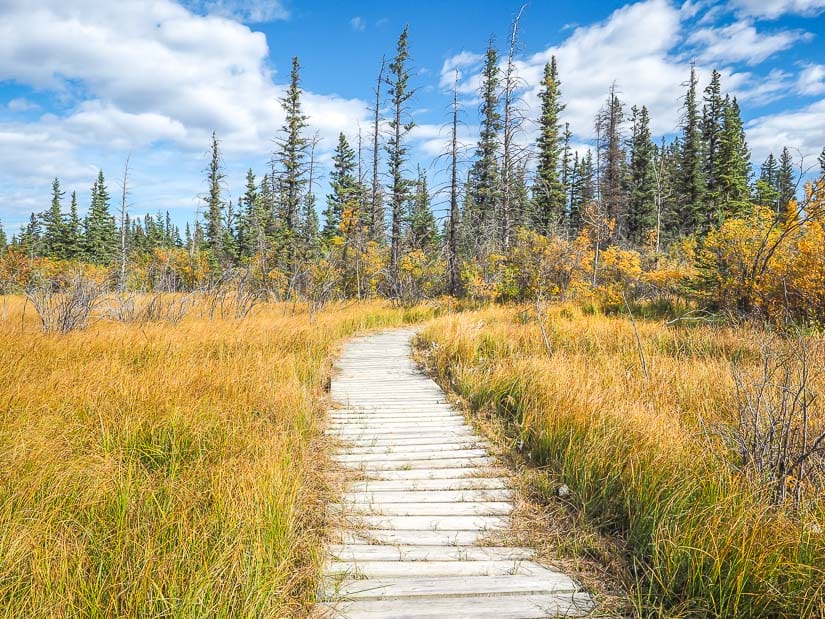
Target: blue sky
[(84, 84)]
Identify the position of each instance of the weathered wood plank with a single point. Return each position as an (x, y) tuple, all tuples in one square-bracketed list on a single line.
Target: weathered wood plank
[(375, 552)]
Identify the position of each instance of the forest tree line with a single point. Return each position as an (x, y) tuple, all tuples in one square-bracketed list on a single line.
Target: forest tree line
[(652, 207)]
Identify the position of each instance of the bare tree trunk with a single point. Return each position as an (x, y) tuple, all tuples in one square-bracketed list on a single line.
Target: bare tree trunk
[(452, 234), (506, 175), (123, 195), (377, 215)]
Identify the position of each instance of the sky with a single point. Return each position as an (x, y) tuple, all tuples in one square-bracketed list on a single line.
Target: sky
[(84, 84)]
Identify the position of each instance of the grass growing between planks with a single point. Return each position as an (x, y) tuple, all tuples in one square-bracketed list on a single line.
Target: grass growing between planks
[(166, 470), (638, 454)]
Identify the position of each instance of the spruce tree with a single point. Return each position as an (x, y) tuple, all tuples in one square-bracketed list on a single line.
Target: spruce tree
[(423, 230), (31, 237), (786, 180), (214, 204), (248, 216), (485, 184), (100, 238), (74, 234), (713, 121), (344, 187), (612, 160), (548, 191), (400, 93), (291, 155), (54, 233), (4, 243), (821, 160), (691, 214), (641, 180), (733, 164), (766, 192)]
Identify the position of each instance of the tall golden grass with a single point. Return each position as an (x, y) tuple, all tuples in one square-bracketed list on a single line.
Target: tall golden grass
[(640, 455), (166, 470)]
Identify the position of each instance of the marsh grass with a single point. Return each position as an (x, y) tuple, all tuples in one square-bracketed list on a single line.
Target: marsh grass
[(158, 469), (639, 454)]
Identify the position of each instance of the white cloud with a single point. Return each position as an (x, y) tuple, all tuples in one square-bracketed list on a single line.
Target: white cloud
[(148, 75), (631, 47), (358, 24), (641, 48), (21, 104), (775, 85), (247, 11), (801, 130), (453, 64), (771, 9), (811, 80), (740, 42), (158, 66)]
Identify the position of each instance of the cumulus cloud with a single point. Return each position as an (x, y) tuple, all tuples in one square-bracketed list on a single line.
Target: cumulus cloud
[(149, 74), (771, 9), (632, 47), (642, 49), (801, 130), (358, 24), (741, 42), (156, 66)]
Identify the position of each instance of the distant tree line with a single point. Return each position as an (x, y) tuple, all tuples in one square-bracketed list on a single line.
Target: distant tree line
[(378, 213)]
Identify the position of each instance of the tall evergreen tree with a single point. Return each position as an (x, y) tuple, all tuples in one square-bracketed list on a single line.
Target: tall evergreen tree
[(733, 164), (30, 239), (249, 222), (641, 179), (344, 187), (821, 160), (4, 242), (74, 234), (786, 180), (423, 230), (612, 160), (713, 124), (582, 192), (549, 192), (214, 204), (400, 93), (691, 214), (291, 155), (766, 191), (100, 235), (54, 224), (484, 193)]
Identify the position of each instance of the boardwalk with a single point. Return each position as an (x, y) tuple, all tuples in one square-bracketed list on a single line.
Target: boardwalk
[(426, 494)]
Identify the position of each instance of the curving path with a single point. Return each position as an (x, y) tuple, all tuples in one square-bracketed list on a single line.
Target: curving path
[(426, 492)]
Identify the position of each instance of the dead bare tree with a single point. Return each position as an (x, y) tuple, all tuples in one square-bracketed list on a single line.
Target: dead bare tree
[(123, 231), (376, 208), (780, 447), (453, 278), (510, 126), (67, 308)]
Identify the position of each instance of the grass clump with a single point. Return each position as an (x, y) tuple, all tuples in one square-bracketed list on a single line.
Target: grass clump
[(642, 456)]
